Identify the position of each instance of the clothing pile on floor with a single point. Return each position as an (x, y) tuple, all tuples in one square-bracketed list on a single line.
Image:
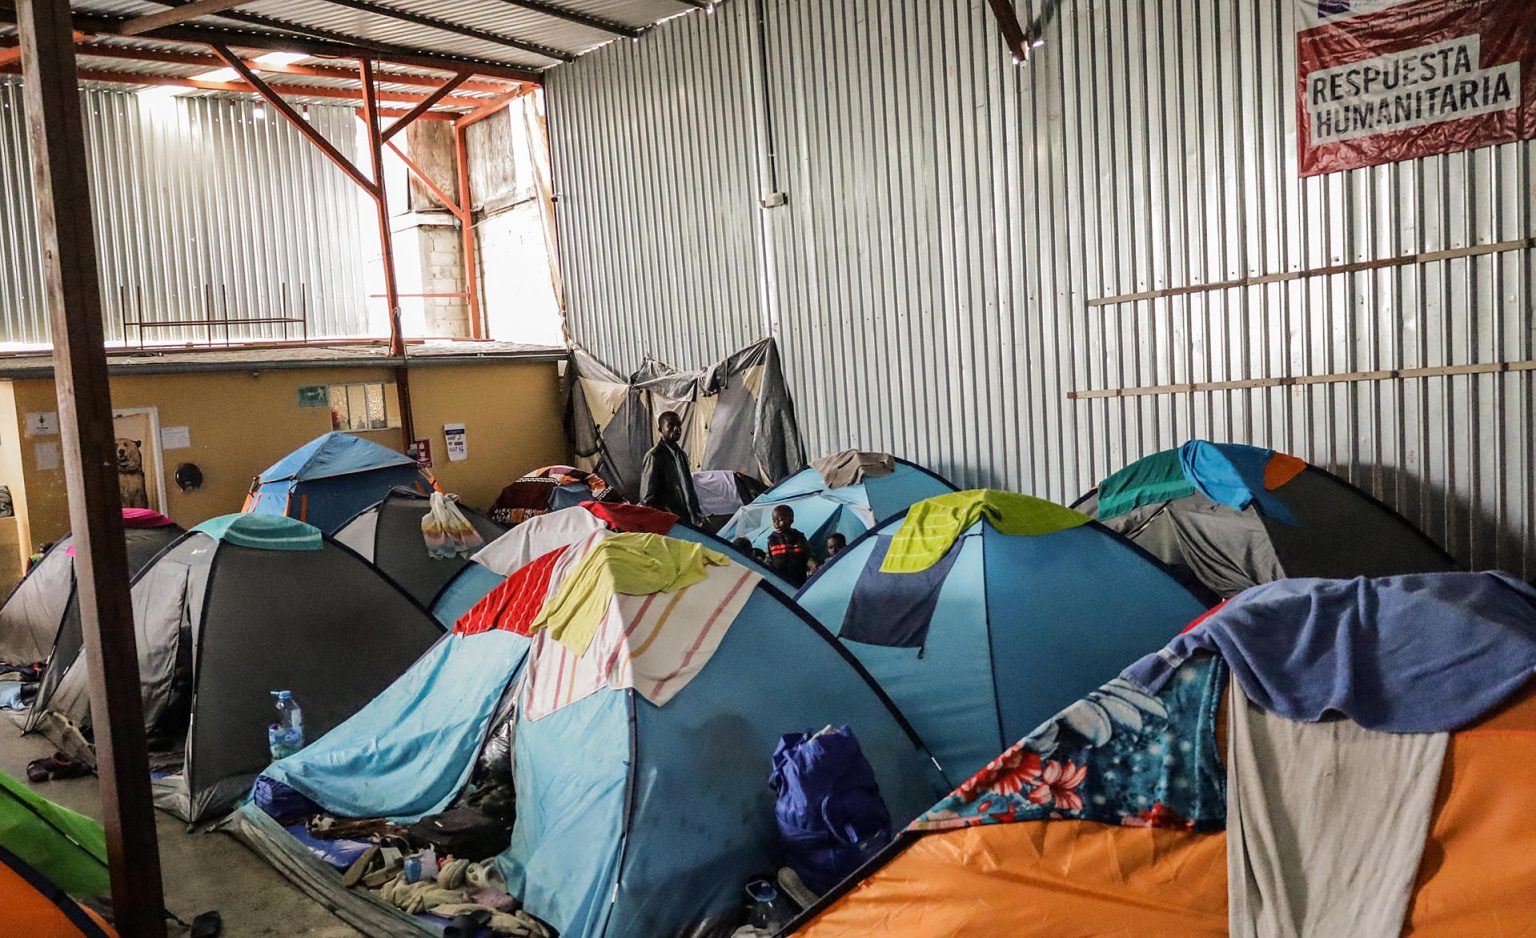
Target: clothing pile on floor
[(441, 866), (18, 685)]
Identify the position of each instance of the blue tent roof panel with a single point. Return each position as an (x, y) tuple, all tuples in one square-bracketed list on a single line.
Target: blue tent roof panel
[(1022, 626), (334, 454)]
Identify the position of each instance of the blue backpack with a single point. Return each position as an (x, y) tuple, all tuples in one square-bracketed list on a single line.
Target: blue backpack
[(830, 814)]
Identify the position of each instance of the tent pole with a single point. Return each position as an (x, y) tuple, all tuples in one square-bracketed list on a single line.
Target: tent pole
[(72, 294)]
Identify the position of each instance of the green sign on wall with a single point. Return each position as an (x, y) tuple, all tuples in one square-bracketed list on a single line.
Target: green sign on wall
[(314, 395)]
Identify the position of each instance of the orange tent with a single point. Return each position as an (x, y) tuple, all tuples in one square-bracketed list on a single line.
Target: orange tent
[(31, 905), (1074, 879)]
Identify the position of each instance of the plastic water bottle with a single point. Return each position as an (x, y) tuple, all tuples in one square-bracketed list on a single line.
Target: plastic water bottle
[(768, 911), (286, 736)]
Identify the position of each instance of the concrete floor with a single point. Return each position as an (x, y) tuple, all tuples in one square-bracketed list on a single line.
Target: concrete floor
[(202, 871)]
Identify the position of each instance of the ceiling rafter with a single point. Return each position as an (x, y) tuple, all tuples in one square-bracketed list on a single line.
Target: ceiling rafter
[(310, 43), (179, 14), (576, 16), (448, 26), (202, 84)]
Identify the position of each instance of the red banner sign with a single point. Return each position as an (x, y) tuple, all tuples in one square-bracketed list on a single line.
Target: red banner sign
[(1384, 80)]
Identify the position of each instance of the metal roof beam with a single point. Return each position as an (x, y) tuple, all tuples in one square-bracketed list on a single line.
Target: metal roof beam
[(423, 107), (448, 26), (303, 91), (1013, 33), (487, 109), (143, 24), (576, 16), (370, 186), (308, 71), (327, 44)]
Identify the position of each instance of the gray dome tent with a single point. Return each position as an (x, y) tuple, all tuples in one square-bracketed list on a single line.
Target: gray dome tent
[(388, 535), (241, 606), (40, 621), (1229, 516)]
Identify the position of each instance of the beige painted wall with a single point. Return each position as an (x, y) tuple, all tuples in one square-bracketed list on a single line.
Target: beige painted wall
[(241, 422), (513, 418)]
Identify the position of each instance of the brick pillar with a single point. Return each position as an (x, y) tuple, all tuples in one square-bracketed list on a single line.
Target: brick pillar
[(437, 260)]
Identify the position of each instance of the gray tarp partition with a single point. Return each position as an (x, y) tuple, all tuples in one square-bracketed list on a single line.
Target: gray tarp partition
[(737, 415)]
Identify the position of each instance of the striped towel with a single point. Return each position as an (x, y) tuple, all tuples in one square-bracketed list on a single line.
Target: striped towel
[(654, 643)]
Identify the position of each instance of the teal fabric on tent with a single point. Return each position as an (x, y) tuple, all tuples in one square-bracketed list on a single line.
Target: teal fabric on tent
[(1018, 627), (632, 819), (409, 751), (330, 479), (849, 511), (263, 532), (1158, 478)]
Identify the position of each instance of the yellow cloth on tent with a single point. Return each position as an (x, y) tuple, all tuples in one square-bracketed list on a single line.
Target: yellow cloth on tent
[(634, 564), (932, 526)]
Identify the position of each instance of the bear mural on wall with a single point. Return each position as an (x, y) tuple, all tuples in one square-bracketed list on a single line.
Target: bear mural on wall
[(130, 473)]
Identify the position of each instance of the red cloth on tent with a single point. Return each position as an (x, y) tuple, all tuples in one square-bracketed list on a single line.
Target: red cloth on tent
[(514, 603), (1203, 616), (632, 519), (144, 518), (135, 518)]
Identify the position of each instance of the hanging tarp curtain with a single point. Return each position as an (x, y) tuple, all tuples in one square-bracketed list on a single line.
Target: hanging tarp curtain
[(737, 415)]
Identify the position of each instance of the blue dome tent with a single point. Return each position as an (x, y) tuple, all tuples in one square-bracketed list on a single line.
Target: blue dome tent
[(1001, 630), (330, 479), (821, 510), (633, 818)]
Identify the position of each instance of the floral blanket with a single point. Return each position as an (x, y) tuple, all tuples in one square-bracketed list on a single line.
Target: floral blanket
[(1118, 756)]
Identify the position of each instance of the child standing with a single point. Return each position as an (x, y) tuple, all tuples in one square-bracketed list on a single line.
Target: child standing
[(789, 553)]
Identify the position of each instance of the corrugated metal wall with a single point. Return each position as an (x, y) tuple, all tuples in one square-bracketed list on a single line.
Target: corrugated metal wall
[(199, 203), (950, 217), (655, 164)]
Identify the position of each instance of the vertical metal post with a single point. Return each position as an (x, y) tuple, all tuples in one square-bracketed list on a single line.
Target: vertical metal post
[(466, 214), (387, 248), (73, 296)]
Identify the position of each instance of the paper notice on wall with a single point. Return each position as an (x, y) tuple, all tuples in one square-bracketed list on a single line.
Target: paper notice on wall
[(421, 451), (48, 456), (45, 423), (1386, 80), (175, 438), (458, 443)]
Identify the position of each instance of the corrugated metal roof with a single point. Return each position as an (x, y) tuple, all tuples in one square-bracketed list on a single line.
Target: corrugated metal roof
[(526, 34)]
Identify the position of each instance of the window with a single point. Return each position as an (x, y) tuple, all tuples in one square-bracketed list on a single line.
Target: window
[(371, 406)]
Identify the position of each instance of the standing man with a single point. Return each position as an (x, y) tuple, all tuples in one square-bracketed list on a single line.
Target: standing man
[(665, 479)]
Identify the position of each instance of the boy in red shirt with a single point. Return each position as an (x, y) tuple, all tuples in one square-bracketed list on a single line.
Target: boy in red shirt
[(789, 553)]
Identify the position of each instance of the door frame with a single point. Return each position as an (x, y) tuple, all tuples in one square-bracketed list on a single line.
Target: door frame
[(153, 443)]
